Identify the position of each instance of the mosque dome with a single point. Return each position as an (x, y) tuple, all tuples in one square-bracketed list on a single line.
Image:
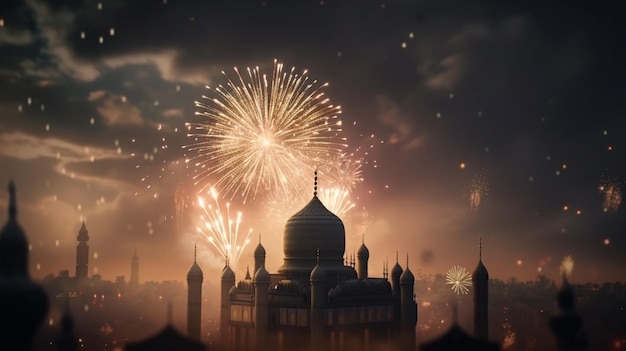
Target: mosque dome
[(195, 273), (228, 275), (407, 276), (261, 275), (314, 227)]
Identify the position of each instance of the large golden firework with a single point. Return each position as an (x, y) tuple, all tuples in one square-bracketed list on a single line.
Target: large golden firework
[(264, 133)]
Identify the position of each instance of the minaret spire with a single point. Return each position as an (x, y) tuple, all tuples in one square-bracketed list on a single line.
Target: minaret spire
[(407, 260), (480, 249), (12, 202), (396, 256), (194, 251), (315, 183)]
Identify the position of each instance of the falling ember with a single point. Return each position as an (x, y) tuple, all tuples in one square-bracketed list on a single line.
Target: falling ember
[(567, 265), (221, 230), (264, 132), (460, 279)]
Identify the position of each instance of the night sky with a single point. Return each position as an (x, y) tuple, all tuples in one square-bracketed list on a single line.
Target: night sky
[(520, 102)]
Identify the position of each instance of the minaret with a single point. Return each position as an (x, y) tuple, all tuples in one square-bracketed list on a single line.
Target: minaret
[(82, 253), (228, 281), (259, 256), (480, 280), (23, 304), (67, 340), (396, 272), (194, 299), (567, 325), (317, 280), (261, 283), (408, 312), (362, 256), (134, 269)]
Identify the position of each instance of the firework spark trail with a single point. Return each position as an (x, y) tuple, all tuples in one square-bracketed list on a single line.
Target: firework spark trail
[(222, 231), (264, 134), (567, 265), (460, 279)]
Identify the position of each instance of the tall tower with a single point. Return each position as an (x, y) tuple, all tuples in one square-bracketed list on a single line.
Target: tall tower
[(134, 268), (194, 299), (396, 272), (408, 313), (261, 285), (480, 280), (259, 256), (82, 253), (228, 281), (23, 303), (317, 280), (362, 256)]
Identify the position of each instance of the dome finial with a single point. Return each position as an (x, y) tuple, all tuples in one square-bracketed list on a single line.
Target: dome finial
[(12, 201), (480, 249), (317, 255), (194, 251), (396, 256), (315, 183), (259, 238), (407, 260), (363, 238)]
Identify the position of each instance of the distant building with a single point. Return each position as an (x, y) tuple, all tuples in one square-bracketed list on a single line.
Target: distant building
[(23, 304), (480, 280), (314, 297), (168, 339), (134, 268), (82, 253), (455, 339), (567, 326), (194, 299)]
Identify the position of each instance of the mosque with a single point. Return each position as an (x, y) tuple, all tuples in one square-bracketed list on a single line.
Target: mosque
[(314, 297)]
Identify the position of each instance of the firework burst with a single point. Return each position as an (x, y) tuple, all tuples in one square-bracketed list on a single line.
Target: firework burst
[(263, 132), (479, 188), (222, 231), (460, 279), (611, 192), (567, 265)]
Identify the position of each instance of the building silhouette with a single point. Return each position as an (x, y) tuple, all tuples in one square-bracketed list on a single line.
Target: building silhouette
[(567, 324), (23, 304), (194, 299), (82, 253), (480, 280), (315, 297), (134, 268)]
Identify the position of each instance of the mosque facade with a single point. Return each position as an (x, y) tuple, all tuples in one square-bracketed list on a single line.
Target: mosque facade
[(315, 297)]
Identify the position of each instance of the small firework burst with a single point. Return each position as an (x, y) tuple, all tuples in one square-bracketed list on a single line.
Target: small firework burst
[(460, 279), (611, 192), (567, 265), (479, 188), (221, 230)]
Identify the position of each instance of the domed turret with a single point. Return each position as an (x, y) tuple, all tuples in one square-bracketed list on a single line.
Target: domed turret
[(259, 251), (83, 233), (317, 274), (261, 276), (362, 256), (195, 273), (23, 303), (314, 226), (228, 274), (407, 276), (259, 256), (363, 251)]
